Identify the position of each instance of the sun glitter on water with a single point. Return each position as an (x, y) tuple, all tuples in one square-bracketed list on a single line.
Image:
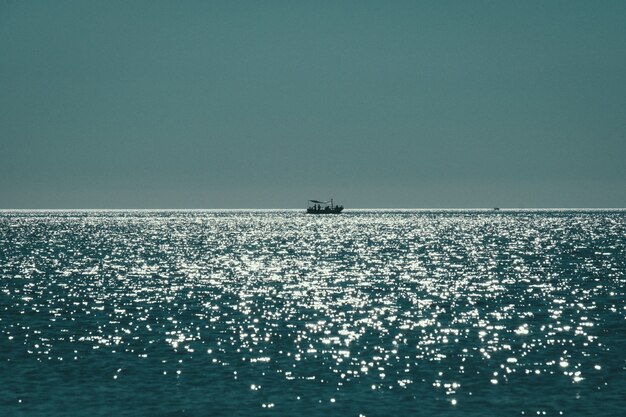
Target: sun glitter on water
[(369, 312)]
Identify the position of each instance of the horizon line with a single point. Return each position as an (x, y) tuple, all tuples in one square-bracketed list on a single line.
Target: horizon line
[(304, 210)]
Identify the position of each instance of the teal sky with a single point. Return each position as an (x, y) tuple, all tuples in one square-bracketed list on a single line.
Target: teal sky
[(265, 104)]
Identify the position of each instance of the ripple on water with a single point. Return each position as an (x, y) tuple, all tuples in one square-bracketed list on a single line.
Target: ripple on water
[(277, 312)]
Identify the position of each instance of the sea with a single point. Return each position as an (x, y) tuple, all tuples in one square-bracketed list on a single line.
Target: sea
[(280, 313)]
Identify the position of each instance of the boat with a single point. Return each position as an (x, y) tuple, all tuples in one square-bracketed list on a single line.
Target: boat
[(323, 207)]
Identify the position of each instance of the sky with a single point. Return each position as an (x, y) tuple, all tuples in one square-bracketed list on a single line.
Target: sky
[(266, 104)]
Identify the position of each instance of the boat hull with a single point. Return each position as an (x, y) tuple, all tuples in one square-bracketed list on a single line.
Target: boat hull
[(334, 210)]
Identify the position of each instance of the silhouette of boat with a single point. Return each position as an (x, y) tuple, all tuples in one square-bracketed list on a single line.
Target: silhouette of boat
[(323, 207)]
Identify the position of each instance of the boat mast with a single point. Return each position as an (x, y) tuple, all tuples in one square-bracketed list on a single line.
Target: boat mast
[(331, 203)]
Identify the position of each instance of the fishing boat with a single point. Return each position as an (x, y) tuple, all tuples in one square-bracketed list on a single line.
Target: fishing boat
[(323, 207)]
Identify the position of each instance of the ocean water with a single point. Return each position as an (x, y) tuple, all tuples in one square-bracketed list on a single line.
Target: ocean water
[(279, 313)]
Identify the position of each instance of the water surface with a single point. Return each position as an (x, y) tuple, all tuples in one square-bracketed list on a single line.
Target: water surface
[(370, 313)]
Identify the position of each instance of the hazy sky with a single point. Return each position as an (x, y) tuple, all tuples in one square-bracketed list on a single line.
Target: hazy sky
[(265, 104)]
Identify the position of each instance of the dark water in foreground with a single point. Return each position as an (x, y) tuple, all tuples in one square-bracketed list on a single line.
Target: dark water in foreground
[(369, 313)]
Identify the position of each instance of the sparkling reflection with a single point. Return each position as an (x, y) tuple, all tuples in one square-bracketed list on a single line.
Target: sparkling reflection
[(277, 312)]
